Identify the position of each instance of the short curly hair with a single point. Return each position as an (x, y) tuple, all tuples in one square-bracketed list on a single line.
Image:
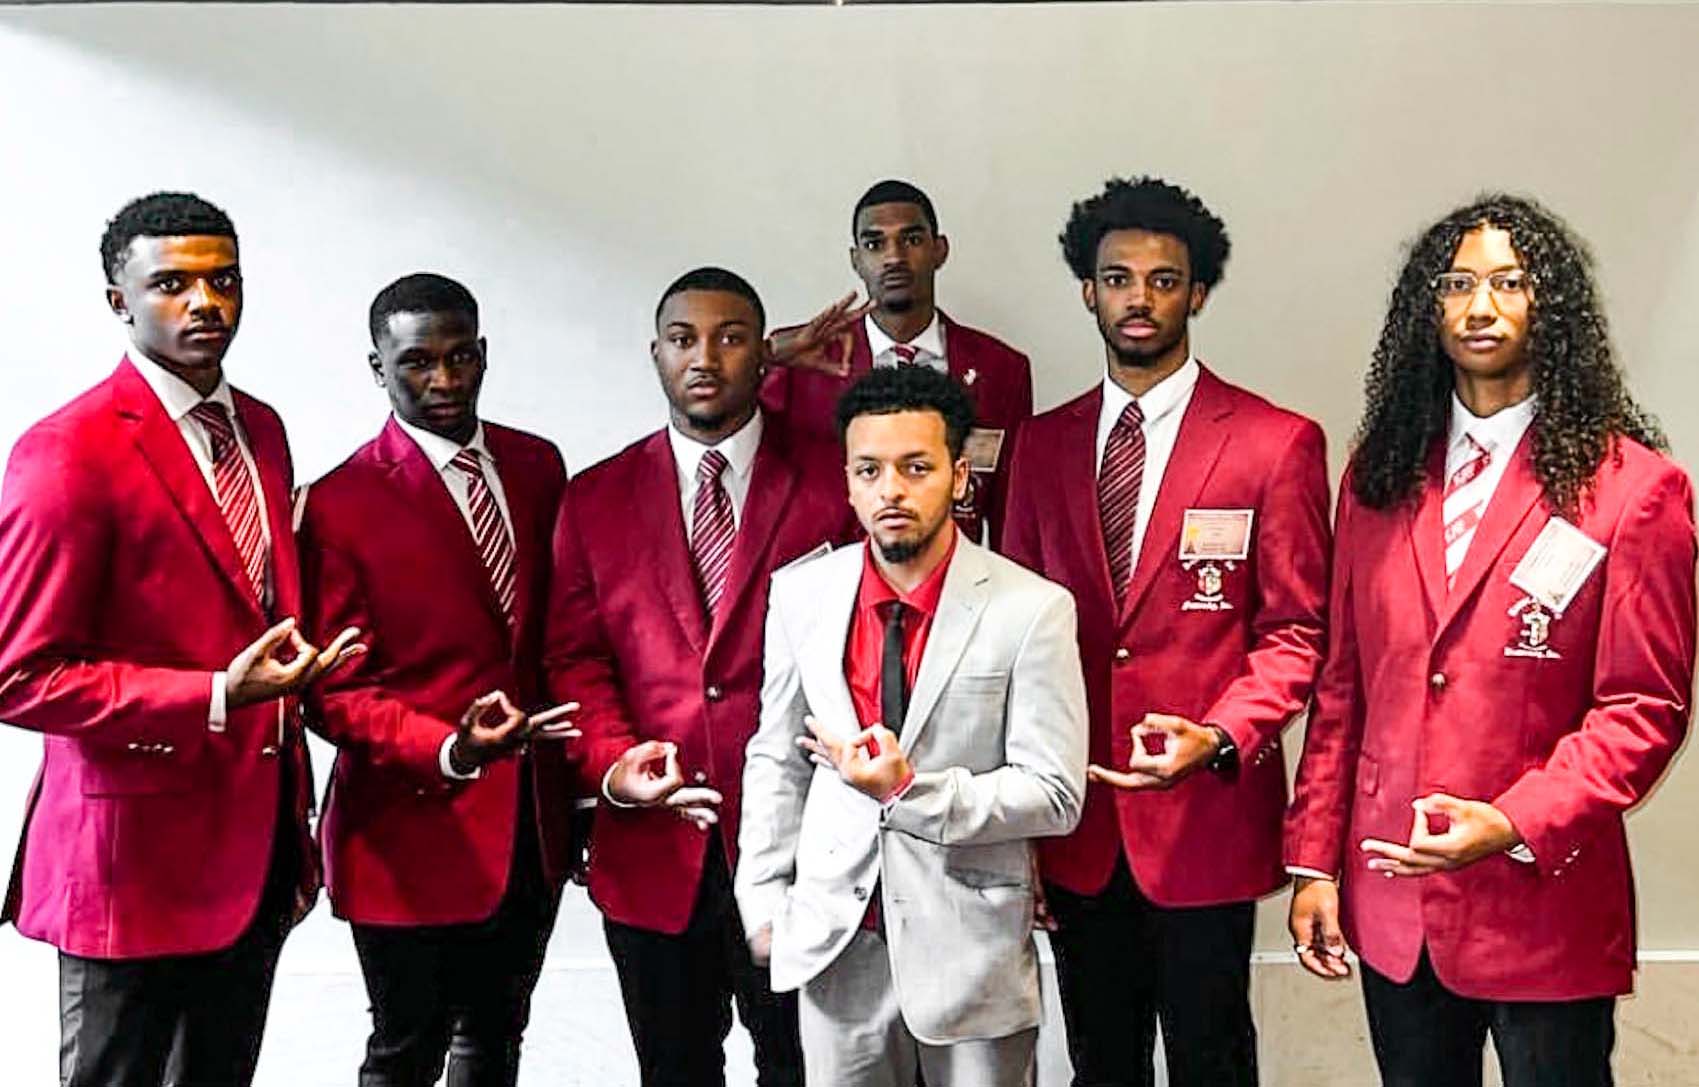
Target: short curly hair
[(159, 215), (887, 390), (1582, 404), (1146, 203), (420, 292)]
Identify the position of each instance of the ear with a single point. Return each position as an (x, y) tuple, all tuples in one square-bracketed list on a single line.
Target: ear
[(943, 246), (1200, 294), (376, 365), (484, 352), (1088, 294), (960, 475), (120, 308)]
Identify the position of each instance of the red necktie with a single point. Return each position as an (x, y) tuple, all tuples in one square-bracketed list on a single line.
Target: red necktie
[(489, 531), (234, 488), (712, 527), (1464, 500), (1118, 492), (906, 353)]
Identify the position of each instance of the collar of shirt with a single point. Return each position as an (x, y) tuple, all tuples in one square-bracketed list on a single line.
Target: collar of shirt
[(1157, 402), (738, 448), (1503, 429), (177, 396), (875, 590), (930, 343), (440, 450)]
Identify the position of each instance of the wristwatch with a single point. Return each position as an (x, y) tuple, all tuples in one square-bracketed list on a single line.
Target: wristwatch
[(1226, 758)]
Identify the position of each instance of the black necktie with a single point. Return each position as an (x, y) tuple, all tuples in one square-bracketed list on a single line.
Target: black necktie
[(893, 678)]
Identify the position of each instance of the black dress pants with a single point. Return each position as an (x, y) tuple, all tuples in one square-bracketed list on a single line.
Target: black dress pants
[(1124, 965), (1427, 1036), (679, 992), (460, 993), (182, 1020)]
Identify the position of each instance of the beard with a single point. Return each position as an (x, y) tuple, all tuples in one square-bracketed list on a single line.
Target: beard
[(708, 420), (907, 548), (900, 304), (1141, 356)]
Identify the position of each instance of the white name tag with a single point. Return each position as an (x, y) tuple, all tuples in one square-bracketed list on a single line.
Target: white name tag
[(1216, 534), (1557, 564), (982, 448)]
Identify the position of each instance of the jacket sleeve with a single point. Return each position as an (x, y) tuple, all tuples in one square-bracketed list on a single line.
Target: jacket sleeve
[(1642, 676), (1040, 789), (58, 531), (1292, 552)]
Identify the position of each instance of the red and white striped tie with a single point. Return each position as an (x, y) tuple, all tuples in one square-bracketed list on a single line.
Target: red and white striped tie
[(712, 527), (907, 354), (1466, 497), (1118, 483), (234, 489), (489, 531)]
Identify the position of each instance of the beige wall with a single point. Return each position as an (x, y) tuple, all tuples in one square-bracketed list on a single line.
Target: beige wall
[(567, 162)]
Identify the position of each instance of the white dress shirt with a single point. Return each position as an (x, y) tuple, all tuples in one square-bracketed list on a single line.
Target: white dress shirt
[(179, 398), (929, 345), (1164, 405), (739, 449), (440, 451), (1501, 432)]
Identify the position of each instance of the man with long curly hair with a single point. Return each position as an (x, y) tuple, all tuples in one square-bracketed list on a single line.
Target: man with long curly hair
[(1189, 519), (1511, 651)]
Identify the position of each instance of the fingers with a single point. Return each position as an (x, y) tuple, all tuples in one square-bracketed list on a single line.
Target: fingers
[(697, 804), (554, 715), (1163, 722), (341, 650), (269, 642), (1122, 781), (1392, 859), (816, 753)]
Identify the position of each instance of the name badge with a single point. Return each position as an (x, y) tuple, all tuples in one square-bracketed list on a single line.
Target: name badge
[(1213, 542), (982, 448), (1558, 563)]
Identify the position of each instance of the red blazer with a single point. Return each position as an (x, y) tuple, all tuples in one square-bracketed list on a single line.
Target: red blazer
[(998, 380), (385, 548), (121, 593), (1428, 691), (628, 639), (1210, 839)]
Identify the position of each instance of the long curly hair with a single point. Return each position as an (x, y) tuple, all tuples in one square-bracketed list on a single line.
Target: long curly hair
[(1582, 406)]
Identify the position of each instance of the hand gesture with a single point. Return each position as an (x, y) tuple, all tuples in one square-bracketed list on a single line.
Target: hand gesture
[(1166, 750), (1314, 922), (490, 728), (761, 945), (823, 343), (647, 775), (871, 760), (1447, 834), (262, 671)]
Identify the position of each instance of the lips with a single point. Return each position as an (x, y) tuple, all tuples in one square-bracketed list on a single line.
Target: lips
[(444, 410), (207, 332), (1482, 343), (896, 279), (894, 517), (1137, 330)]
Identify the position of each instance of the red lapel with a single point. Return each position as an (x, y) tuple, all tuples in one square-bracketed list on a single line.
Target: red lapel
[(664, 542), (772, 481), (523, 508), (271, 457), (1427, 531), (1075, 467), (1517, 494), (1203, 434)]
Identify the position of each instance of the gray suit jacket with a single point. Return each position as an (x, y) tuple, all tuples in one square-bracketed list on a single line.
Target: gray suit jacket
[(996, 732)]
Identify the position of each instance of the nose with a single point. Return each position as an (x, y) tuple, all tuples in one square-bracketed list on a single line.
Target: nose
[(202, 297), (892, 485)]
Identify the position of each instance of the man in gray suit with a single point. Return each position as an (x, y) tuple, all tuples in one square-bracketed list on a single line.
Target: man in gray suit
[(887, 870)]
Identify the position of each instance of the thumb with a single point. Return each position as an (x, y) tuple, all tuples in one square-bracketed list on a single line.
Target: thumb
[(1440, 804), (1163, 722)]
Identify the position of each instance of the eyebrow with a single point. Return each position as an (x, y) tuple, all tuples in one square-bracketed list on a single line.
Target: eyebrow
[(1501, 268), (1170, 268)]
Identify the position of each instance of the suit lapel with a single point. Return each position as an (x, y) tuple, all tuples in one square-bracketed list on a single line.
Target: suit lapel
[(665, 544), (162, 446), (1517, 494), (772, 481), (1427, 531), (962, 602), (1076, 484), (271, 458), (412, 473), (823, 650), (1204, 432), (522, 509)]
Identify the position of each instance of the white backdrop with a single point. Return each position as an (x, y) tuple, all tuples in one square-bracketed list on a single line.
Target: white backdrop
[(567, 162)]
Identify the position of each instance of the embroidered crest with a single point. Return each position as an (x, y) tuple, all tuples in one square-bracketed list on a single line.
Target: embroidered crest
[(1533, 637)]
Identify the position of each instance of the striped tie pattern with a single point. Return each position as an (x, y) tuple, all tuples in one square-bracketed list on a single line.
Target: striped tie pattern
[(907, 353), (712, 526), (234, 489), (1466, 498), (1118, 484), (489, 531)]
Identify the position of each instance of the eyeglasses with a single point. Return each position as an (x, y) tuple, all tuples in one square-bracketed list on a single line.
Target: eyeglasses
[(1510, 283)]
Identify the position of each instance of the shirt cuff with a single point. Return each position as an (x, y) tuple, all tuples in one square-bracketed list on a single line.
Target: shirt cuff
[(1311, 873), (609, 797), (1520, 853), (217, 713), (447, 764)]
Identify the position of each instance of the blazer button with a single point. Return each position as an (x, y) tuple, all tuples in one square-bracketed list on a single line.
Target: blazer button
[(701, 776), (166, 749), (133, 746), (1437, 681), (714, 692), (1123, 653), (861, 894)]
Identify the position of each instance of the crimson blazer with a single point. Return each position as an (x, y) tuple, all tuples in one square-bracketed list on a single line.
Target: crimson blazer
[(998, 380), (629, 639), (121, 593), (1247, 667), (385, 548), (1563, 729)]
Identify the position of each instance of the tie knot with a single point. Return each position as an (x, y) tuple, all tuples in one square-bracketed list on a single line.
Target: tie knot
[(1132, 416), (906, 353), (892, 612), (213, 416), (712, 464), (467, 461)]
